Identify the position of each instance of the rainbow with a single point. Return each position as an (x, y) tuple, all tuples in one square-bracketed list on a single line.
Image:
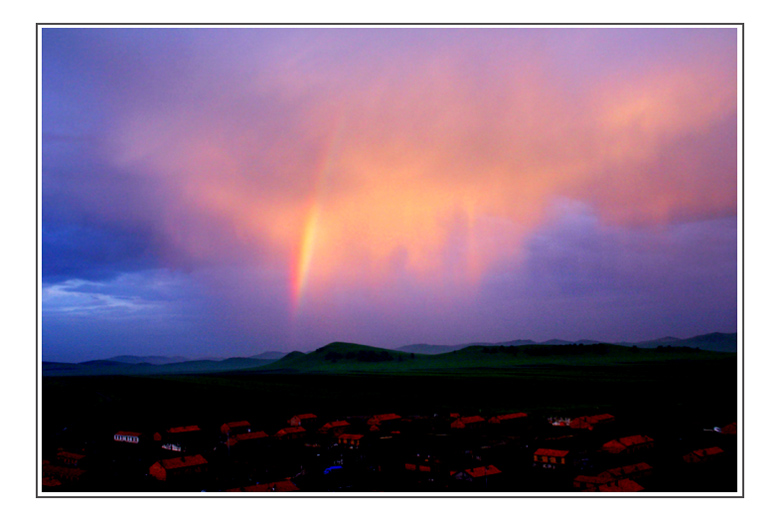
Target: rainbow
[(302, 262)]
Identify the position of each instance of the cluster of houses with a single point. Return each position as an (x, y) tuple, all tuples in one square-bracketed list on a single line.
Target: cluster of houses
[(356, 443)]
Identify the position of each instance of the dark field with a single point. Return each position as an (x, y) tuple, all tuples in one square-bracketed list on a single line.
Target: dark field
[(672, 402)]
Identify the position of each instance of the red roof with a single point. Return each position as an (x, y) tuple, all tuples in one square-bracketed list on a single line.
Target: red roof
[(621, 444), (246, 437), (275, 486), (580, 423), (307, 416), (62, 472), (627, 470), (290, 430), (50, 482), (70, 455), (350, 436), (481, 472), (587, 422), (462, 422), (250, 436), (504, 417), (595, 480), (331, 425), (703, 454), (731, 428), (233, 425), (551, 452), (623, 485), (377, 418), (188, 428), (127, 433), (183, 461), (639, 439)]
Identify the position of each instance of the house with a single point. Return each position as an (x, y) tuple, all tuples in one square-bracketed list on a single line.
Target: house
[(276, 486), (302, 420), (178, 468), (633, 472), (469, 422), (417, 468), (183, 430), (350, 440), (628, 445), (731, 428), (290, 433), (702, 455), (231, 428), (246, 437), (507, 417), (49, 482), (377, 419), (127, 437), (551, 458), (334, 428), (612, 477), (477, 473), (591, 483), (589, 422), (60, 474), (70, 459), (180, 439), (623, 485)]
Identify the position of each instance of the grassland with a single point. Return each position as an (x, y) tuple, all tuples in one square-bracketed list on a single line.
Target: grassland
[(684, 391)]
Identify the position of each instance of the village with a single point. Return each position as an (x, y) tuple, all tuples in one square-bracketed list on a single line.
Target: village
[(387, 452)]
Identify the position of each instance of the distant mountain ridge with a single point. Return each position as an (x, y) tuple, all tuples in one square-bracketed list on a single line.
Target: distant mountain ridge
[(270, 355), (720, 342), (113, 367), (357, 356), (437, 349), (154, 360)]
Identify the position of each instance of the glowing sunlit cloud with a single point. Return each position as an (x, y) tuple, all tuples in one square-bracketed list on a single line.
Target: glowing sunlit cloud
[(424, 146)]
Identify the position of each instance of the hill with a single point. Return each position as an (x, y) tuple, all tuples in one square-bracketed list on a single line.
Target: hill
[(437, 349), (114, 368), (719, 342), (269, 355), (153, 360), (356, 358)]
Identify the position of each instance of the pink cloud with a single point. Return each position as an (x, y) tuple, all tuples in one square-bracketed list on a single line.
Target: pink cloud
[(437, 161)]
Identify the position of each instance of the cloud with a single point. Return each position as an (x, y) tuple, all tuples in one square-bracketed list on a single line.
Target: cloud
[(371, 165)]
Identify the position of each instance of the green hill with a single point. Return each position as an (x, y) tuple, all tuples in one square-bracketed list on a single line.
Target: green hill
[(342, 357)]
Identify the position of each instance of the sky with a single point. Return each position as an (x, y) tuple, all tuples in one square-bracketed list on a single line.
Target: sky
[(214, 192)]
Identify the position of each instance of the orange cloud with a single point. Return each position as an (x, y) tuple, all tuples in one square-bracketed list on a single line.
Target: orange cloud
[(445, 160)]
